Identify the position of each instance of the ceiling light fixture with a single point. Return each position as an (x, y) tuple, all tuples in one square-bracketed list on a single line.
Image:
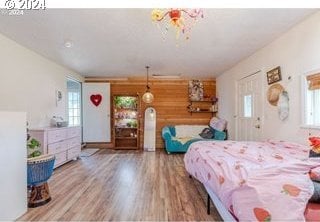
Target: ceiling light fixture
[(180, 19), (68, 44), (147, 96)]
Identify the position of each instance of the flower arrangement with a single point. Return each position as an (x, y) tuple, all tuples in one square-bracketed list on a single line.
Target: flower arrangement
[(315, 143)]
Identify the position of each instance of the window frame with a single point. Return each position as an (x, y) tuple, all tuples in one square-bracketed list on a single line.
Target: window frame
[(80, 101), (244, 106), (304, 90)]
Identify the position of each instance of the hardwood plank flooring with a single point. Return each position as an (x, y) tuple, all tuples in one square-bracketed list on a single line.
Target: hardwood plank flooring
[(124, 186)]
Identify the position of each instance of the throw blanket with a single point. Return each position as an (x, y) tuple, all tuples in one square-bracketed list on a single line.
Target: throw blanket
[(182, 140), (255, 180)]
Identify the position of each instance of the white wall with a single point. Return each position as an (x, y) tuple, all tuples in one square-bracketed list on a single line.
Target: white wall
[(296, 51), (28, 83), (13, 165)]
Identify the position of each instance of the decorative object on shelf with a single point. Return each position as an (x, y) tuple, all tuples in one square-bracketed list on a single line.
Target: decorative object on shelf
[(195, 90), (214, 107), (57, 121), (214, 99), (182, 20), (283, 105), (125, 102), (96, 99), (147, 96), (132, 123), (274, 75), (273, 94)]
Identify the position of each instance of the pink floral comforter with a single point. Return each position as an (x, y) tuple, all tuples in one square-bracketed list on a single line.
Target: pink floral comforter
[(255, 180)]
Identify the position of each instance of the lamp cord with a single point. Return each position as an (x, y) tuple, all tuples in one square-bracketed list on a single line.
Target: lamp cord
[(147, 67)]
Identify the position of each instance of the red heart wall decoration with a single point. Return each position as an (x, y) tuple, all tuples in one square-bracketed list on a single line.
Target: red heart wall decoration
[(96, 99)]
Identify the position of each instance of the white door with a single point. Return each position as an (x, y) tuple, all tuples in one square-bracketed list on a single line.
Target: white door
[(96, 112), (249, 93), (150, 117)]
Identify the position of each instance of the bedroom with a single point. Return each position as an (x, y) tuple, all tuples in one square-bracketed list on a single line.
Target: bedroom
[(41, 50)]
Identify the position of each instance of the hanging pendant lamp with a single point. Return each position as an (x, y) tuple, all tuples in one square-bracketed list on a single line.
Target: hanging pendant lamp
[(147, 96)]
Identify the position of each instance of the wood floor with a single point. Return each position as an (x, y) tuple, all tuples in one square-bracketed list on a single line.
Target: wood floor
[(122, 186)]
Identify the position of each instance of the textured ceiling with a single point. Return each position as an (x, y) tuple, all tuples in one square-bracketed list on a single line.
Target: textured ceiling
[(120, 42)]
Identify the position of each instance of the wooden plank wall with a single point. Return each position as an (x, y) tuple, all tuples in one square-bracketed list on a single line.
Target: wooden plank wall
[(171, 101)]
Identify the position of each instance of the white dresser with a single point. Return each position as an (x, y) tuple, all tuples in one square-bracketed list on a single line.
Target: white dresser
[(64, 142)]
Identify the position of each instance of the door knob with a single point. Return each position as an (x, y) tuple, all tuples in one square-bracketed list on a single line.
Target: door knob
[(257, 126)]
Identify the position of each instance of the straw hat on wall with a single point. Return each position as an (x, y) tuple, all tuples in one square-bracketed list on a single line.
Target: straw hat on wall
[(273, 93)]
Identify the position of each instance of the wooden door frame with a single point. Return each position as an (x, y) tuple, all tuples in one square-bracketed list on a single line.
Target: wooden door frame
[(260, 72)]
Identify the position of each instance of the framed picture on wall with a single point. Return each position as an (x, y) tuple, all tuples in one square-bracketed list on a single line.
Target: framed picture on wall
[(274, 75), (58, 97), (195, 90)]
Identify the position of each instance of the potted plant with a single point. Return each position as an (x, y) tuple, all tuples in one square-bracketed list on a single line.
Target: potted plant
[(117, 102), (33, 148), (33, 145)]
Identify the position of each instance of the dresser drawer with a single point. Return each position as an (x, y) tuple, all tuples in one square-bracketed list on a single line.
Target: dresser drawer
[(56, 135), (73, 142), (57, 147), (74, 132), (60, 158), (74, 152)]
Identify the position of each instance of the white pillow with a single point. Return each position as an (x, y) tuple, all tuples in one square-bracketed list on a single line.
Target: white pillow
[(189, 130), (218, 124)]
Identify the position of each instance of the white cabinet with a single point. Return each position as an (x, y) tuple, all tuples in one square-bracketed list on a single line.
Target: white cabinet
[(64, 143)]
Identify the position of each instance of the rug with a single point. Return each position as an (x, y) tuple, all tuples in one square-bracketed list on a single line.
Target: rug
[(88, 152)]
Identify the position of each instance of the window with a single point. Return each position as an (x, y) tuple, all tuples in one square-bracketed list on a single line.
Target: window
[(312, 100), (74, 102), (247, 106)]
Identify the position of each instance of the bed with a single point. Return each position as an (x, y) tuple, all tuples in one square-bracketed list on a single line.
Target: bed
[(250, 181)]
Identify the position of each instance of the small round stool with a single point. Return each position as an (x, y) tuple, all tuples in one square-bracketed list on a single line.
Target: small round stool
[(39, 171)]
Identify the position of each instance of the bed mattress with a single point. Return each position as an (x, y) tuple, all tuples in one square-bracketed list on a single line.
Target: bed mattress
[(255, 180)]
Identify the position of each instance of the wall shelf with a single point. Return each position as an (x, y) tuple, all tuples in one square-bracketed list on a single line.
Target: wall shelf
[(125, 121), (208, 111), (203, 100), (126, 137), (202, 106), (125, 118)]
